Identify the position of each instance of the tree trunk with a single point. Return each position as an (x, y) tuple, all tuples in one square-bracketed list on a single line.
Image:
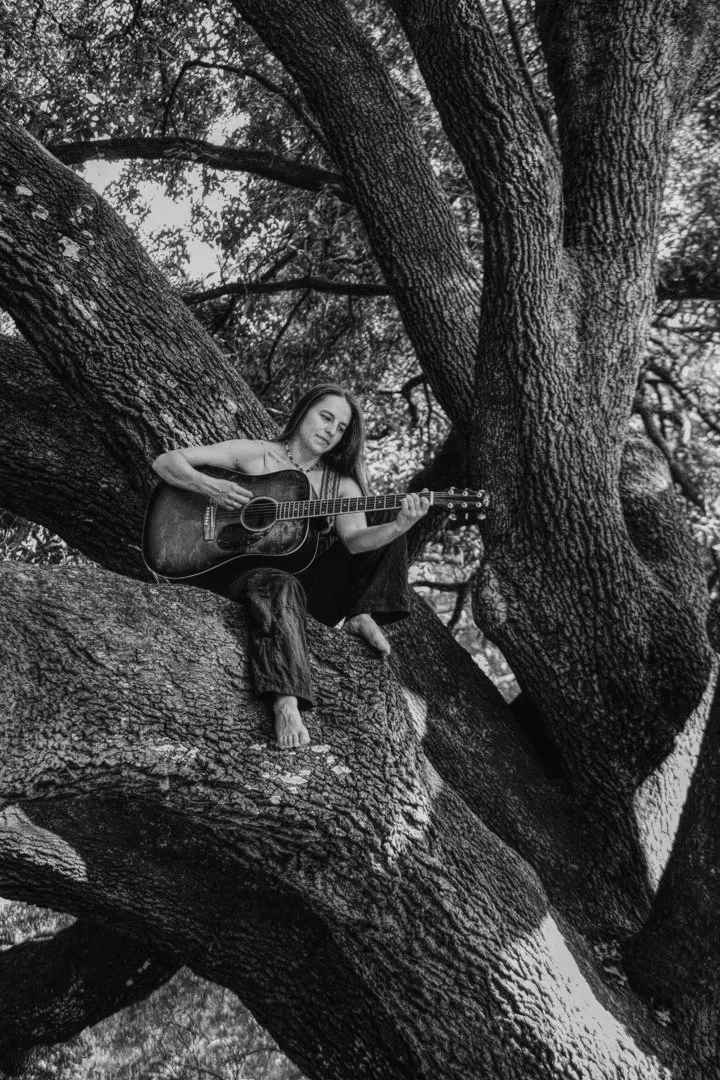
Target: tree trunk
[(418, 894)]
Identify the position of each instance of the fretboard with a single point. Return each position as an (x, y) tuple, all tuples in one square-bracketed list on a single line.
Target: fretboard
[(311, 508)]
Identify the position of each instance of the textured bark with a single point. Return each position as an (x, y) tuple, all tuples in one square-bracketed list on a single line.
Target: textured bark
[(675, 959), (408, 221), (419, 894), (245, 865), (555, 377), (55, 459), (102, 318), (620, 74)]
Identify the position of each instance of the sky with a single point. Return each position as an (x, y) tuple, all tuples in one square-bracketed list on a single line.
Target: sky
[(164, 212)]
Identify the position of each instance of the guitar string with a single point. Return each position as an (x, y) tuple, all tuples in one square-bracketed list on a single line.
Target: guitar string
[(299, 511), (303, 509)]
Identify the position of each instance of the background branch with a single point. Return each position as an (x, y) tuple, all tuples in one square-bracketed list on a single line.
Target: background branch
[(170, 149), (311, 283), (53, 989), (291, 100)]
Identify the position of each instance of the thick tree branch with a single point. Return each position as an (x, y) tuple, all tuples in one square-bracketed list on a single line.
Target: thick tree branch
[(52, 990), (198, 152), (407, 218), (315, 284), (675, 960), (614, 123), (660, 568), (58, 470), (490, 116), (328, 878), (105, 323)]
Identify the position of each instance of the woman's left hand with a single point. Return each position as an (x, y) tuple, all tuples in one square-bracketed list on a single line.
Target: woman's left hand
[(414, 506)]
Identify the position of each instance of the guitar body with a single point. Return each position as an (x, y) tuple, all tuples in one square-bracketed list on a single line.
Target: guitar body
[(174, 536)]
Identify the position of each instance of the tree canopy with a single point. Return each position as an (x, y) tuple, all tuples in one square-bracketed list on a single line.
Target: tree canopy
[(499, 222)]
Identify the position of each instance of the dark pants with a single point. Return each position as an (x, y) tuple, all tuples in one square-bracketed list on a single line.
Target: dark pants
[(336, 585)]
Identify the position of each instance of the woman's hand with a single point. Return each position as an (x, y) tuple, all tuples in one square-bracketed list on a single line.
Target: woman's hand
[(414, 506), (227, 494)]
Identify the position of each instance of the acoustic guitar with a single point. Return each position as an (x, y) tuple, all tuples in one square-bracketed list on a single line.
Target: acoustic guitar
[(186, 535)]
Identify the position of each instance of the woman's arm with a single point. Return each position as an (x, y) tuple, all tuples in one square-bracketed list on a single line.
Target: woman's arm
[(358, 536), (178, 467)]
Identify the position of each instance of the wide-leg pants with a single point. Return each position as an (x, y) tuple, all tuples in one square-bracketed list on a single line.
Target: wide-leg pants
[(336, 585)]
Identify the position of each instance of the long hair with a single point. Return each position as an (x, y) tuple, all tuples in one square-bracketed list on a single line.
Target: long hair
[(347, 457)]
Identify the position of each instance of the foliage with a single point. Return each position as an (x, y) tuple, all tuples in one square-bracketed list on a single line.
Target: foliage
[(81, 71), (24, 541), (187, 1030), (76, 72)]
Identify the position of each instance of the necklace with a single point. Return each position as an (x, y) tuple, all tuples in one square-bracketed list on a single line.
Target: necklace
[(297, 465)]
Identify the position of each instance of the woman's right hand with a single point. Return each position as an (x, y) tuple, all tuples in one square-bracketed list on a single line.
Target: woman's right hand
[(227, 494)]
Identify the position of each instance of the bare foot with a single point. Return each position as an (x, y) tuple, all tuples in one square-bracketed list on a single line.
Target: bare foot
[(364, 626), (289, 728)]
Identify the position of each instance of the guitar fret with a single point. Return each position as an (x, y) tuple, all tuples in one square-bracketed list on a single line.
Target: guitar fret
[(309, 508), (228, 535)]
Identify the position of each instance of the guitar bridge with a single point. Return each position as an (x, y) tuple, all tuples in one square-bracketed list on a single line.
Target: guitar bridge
[(209, 521)]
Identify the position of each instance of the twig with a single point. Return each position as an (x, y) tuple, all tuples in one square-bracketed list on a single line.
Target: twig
[(245, 73), (278, 337), (667, 377), (442, 586), (309, 284), (462, 598), (679, 475)]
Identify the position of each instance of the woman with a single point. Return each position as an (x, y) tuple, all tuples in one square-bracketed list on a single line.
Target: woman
[(363, 578)]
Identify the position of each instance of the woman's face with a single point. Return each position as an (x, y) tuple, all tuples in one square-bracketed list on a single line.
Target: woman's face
[(324, 424)]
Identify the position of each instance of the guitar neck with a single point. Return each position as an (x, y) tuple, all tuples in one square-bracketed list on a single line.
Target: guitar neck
[(311, 508)]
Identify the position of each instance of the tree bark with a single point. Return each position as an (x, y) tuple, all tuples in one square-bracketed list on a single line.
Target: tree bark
[(102, 318), (408, 221), (120, 371), (674, 960), (248, 868), (53, 459), (556, 372), (416, 895)]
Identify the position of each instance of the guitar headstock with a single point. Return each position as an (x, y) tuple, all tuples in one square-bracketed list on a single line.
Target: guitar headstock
[(465, 502)]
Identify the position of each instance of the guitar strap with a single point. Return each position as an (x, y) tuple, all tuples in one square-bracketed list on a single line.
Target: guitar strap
[(329, 489)]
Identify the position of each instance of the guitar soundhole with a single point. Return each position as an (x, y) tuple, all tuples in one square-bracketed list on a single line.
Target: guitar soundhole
[(259, 514)]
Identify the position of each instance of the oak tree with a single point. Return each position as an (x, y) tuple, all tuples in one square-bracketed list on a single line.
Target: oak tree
[(443, 886)]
